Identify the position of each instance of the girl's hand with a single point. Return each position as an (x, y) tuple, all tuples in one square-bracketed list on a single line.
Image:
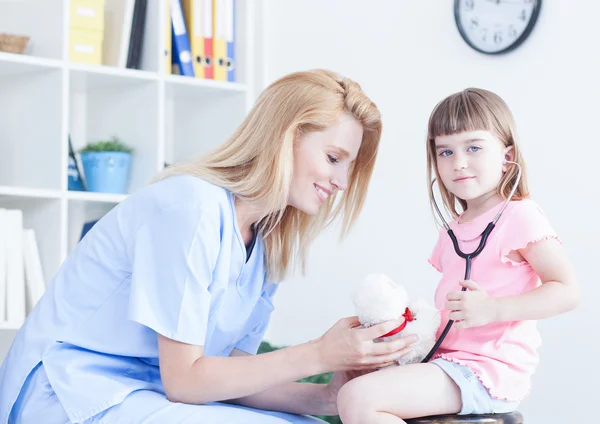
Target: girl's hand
[(471, 308), (346, 347)]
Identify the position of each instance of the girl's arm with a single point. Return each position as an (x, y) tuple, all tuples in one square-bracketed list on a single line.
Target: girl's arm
[(190, 377), (558, 293)]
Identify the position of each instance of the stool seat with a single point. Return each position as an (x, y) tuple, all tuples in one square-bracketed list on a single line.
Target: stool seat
[(510, 418)]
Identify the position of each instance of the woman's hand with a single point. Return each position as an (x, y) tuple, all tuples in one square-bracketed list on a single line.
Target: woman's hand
[(471, 308), (346, 347)]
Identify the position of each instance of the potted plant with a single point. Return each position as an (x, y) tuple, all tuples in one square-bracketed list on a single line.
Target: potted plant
[(106, 165)]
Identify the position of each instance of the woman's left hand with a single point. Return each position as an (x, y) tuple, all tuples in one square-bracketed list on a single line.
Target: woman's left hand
[(471, 308)]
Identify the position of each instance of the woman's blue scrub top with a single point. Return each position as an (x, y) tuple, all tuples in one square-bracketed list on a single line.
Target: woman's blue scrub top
[(169, 259)]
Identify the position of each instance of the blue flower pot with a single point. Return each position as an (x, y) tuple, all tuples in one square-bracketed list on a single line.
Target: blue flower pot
[(106, 172)]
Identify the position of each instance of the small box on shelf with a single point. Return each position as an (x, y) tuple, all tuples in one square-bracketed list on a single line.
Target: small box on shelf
[(87, 15)]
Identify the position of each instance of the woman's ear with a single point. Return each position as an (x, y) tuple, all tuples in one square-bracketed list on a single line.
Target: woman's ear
[(508, 157)]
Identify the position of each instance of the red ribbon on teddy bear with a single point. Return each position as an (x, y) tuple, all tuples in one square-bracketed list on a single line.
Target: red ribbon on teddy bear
[(408, 316)]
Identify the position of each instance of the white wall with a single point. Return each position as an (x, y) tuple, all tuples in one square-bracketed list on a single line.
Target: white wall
[(408, 55)]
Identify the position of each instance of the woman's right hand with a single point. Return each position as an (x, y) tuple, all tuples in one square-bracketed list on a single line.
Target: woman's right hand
[(346, 346)]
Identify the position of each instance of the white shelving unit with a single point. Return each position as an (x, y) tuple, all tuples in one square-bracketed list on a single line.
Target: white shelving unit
[(45, 98)]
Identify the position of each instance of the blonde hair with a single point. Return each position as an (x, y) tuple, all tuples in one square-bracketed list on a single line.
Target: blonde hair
[(256, 162), (474, 109)]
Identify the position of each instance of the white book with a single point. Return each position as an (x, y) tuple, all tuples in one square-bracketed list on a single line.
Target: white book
[(3, 254), (118, 19), (15, 272), (34, 277)]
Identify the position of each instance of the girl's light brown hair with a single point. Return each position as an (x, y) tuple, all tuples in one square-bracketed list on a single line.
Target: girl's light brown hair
[(474, 109), (256, 162)]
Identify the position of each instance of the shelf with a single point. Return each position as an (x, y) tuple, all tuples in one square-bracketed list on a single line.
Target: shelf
[(86, 196), (18, 64), (10, 326), (18, 192), (96, 77), (181, 86), (47, 100)]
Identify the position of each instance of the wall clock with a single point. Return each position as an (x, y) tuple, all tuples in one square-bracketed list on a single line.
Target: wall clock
[(496, 26)]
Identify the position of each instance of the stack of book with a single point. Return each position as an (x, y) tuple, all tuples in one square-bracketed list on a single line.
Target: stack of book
[(21, 278)]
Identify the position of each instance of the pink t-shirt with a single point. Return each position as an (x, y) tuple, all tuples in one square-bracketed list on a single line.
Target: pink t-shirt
[(502, 354)]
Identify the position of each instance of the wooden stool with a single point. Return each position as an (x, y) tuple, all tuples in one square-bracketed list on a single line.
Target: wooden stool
[(511, 418)]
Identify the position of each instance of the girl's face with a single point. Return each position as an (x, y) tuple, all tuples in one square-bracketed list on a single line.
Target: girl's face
[(470, 163), (322, 161)]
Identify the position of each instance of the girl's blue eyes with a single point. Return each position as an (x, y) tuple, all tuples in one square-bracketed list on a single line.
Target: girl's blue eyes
[(471, 149), (332, 159)]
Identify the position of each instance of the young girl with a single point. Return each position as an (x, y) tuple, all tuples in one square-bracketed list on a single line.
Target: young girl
[(485, 363)]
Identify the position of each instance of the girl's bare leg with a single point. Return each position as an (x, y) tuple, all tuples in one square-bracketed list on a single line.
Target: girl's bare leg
[(391, 394)]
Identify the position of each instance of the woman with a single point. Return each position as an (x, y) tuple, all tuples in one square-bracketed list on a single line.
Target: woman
[(157, 314)]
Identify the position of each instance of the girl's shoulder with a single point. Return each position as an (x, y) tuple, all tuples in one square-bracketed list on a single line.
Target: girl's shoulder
[(524, 222), (524, 211)]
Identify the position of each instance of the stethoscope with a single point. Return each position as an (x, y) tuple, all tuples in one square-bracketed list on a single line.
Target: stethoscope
[(469, 256)]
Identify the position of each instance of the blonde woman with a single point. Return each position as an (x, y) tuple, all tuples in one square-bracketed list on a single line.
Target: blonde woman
[(157, 315)]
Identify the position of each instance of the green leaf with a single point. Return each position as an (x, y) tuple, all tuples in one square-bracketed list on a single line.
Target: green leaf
[(114, 144)]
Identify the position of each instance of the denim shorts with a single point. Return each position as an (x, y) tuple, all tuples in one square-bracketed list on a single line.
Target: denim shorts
[(475, 397)]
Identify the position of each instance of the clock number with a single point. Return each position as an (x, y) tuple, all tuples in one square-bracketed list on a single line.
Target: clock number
[(498, 37), (474, 24), (523, 15), (512, 31), (469, 4), (483, 33)]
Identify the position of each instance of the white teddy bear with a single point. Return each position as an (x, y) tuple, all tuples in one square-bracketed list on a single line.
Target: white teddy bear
[(378, 299)]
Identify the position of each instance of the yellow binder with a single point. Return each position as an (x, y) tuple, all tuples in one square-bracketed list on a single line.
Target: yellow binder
[(220, 39), (193, 10)]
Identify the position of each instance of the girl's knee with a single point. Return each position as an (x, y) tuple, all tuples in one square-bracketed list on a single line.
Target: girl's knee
[(354, 404)]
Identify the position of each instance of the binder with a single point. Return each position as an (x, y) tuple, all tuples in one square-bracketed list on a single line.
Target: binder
[(181, 43), (75, 176), (230, 23), (220, 39), (207, 36), (168, 38), (136, 39), (193, 10)]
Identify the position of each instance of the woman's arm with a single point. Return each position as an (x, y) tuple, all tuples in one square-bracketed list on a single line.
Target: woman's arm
[(295, 398), (190, 377), (300, 398)]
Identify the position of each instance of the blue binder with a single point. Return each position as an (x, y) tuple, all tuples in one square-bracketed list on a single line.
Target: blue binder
[(231, 42), (181, 42)]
